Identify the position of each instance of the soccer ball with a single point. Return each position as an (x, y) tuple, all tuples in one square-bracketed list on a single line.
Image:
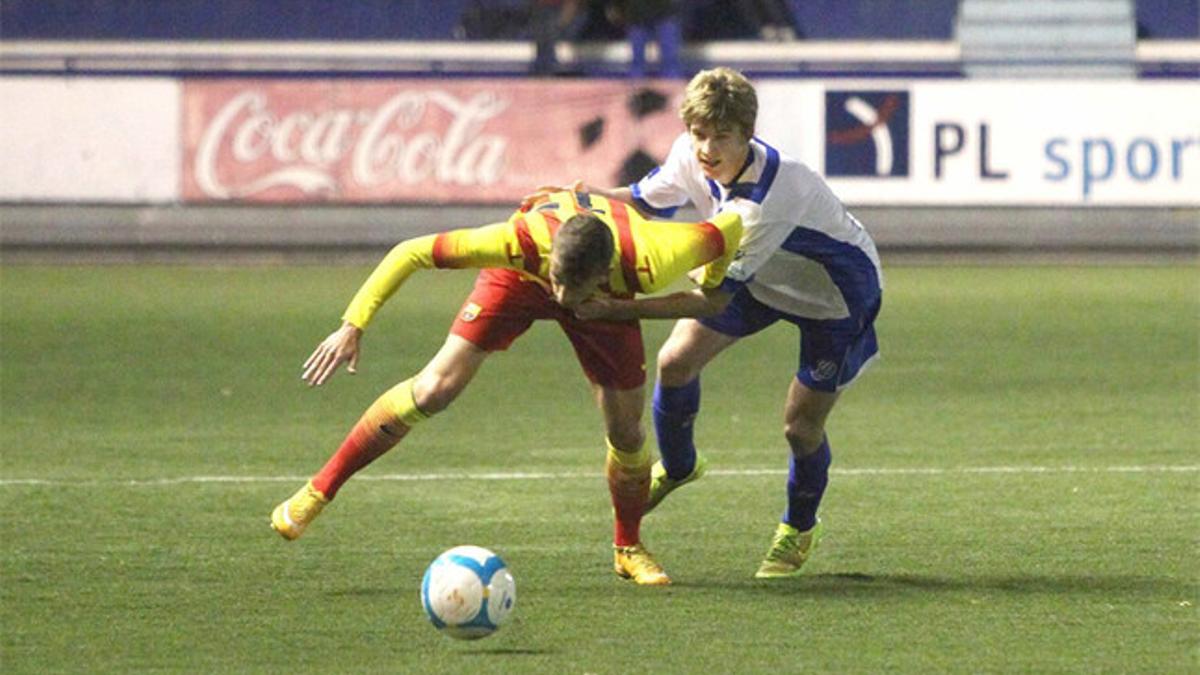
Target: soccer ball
[(468, 592)]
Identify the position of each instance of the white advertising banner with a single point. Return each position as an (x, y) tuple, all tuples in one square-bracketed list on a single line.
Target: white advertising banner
[(81, 140), (878, 142), (993, 143)]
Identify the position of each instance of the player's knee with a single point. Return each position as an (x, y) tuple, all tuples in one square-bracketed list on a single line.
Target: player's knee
[(627, 437), (434, 393), (804, 436), (674, 370)]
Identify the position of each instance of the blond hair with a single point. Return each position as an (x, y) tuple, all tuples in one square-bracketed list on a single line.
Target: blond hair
[(721, 97)]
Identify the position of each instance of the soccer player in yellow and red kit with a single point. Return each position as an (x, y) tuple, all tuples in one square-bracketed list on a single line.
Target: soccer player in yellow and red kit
[(552, 255)]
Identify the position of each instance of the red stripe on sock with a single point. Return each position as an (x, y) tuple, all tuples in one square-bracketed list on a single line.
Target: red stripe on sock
[(376, 432), (629, 490)]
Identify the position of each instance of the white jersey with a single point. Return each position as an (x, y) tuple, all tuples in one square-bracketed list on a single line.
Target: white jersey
[(802, 252)]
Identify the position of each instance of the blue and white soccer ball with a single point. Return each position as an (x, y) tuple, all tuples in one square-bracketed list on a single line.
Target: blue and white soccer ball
[(468, 592)]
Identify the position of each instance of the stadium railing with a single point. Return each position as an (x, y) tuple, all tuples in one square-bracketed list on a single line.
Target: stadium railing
[(441, 58), (919, 58)]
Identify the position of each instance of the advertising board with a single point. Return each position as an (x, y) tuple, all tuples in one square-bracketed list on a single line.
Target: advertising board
[(993, 143), (89, 140), (348, 140), (466, 141)]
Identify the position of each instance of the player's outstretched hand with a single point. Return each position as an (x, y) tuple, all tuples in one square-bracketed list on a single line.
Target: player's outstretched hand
[(340, 347), (544, 191), (603, 309)]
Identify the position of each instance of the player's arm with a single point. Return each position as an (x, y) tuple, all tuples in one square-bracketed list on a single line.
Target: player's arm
[(543, 193), (708, 300), (746, 249), (694, 303), (621, 194), (729, 226), (478, 247), (661, 191), (657, 194), (748, 244)]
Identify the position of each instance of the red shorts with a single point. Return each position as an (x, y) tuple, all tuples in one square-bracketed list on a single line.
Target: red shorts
[(503, 305)]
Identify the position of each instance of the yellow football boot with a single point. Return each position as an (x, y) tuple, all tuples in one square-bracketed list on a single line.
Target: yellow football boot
[(790, 549), (661, 485), (292, 516), (638, 564)]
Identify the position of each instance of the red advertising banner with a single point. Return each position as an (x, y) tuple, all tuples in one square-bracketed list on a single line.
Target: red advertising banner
[(464, 141)]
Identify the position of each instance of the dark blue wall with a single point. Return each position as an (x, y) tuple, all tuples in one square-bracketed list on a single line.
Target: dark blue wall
[(423, 19), (876, 19), (828, 19), (437, 19), (1168, 19), (230, 19)]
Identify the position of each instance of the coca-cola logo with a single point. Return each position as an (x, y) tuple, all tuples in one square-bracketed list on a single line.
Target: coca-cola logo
[(412, 137)]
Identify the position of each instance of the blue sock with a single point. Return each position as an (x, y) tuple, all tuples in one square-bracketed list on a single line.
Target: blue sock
[(807, 477), (675, 409)]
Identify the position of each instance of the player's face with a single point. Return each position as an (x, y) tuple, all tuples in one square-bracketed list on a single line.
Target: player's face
[(721, 151), (572, 295)]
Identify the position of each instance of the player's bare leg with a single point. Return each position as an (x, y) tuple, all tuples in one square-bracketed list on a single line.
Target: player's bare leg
[(627, 468), (447, 374), (380, 428), (804, 417), (690, 347), (799, 531)]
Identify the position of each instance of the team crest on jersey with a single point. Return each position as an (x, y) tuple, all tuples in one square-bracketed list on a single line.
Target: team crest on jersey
[(470, 311), (824, 370)]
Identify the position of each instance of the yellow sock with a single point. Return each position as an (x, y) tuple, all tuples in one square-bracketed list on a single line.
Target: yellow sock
[(383, 424), (628, 459), (628, 475), (399, 400)]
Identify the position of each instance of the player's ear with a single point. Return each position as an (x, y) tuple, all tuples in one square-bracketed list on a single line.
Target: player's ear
[(555, 262)]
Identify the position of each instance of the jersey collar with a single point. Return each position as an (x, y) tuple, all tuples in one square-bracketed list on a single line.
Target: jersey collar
[(756, 190)]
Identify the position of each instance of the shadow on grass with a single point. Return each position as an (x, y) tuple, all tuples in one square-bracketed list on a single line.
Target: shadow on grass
[(857, 584), (367, 592), (509, 651)]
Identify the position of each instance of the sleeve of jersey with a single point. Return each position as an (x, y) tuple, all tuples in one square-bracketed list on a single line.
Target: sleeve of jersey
[(477, 247), (729, 228), (760, 240), (661, 192)]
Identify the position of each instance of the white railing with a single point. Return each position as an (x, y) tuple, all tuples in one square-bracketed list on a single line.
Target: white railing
[(466, 57), (483, 58)]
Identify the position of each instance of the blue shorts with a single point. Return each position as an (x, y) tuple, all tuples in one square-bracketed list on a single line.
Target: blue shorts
[(832, 352)]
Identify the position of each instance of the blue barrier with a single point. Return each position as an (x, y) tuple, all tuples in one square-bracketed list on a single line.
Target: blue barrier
[(418, 20)]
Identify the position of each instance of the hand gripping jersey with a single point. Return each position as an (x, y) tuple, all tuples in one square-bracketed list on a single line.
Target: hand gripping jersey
[(802, 253), (647, 257)]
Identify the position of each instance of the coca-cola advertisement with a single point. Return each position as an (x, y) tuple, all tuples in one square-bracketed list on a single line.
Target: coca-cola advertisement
[(466, 141)]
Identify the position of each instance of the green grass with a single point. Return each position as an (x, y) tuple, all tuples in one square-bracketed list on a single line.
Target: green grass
[(947, 548)]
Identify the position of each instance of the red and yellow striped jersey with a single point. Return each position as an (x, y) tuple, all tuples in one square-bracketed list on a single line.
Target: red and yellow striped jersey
[(648, 256)]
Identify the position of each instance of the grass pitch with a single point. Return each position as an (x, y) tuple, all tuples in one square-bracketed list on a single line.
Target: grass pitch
[(1014, 486)]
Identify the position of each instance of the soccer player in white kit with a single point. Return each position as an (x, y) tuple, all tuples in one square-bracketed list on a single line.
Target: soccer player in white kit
[(803, 259)]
